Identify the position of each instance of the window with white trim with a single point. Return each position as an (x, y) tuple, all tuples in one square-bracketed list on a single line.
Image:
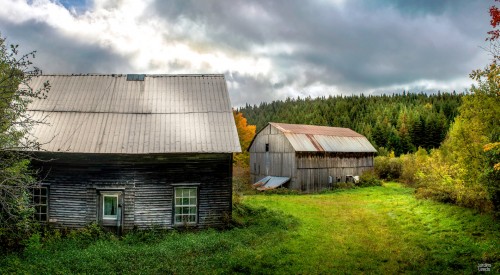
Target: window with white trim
[(110, 207), (186, 205), (40, 203)]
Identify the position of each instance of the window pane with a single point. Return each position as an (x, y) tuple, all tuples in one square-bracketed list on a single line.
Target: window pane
[(185, 205), (110, 205)]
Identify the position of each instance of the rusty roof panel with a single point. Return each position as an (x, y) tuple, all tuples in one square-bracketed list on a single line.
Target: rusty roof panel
[(162, 114), (315, 130), (308, 138)]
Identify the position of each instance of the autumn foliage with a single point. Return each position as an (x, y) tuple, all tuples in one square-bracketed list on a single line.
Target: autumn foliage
[(494, 22), (245, 134)]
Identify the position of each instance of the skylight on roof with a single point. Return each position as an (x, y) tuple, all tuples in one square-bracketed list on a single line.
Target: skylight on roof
[(135, 77)]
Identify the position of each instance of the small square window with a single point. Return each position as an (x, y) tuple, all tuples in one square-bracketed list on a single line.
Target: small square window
[(267, 147), (186, 205)]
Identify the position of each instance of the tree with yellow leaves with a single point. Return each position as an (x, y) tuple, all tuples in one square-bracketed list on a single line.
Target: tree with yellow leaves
[(245, 134)]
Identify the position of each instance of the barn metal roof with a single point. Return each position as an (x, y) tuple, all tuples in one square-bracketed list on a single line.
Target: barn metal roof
[(160, 114), (311, 138)]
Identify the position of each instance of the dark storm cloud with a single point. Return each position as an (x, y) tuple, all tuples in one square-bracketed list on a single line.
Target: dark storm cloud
[(252, 90), (57, 53), (357, 45), (268, 49)]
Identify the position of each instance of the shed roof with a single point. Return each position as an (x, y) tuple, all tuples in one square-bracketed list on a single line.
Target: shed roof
[(97, 113), (311, 138)]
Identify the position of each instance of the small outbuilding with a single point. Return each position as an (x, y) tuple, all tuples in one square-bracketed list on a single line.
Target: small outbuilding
[(306, 157), (134, 151)]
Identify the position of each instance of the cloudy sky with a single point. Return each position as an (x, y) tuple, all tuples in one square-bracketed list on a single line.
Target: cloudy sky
[(268, 50)]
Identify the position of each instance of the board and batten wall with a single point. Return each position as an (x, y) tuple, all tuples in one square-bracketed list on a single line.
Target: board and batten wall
[(314, 169), (146, 184), (308, 171)]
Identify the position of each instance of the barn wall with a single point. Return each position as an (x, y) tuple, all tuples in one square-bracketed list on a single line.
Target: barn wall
[(145, 181), (314, 169), (279, 161)]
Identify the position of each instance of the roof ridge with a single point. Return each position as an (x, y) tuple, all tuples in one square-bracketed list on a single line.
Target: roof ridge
[(121, 74)]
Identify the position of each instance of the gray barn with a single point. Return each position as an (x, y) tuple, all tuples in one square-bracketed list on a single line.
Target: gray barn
[(311, 158), (135, 151)]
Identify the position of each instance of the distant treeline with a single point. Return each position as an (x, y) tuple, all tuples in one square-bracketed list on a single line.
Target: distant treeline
[(398, 122)]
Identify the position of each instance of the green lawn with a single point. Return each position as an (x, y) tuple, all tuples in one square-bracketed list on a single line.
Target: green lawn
[(367, 230)]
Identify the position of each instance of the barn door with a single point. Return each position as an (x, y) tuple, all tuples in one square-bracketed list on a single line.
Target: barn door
[(268, 160), (111, 210)]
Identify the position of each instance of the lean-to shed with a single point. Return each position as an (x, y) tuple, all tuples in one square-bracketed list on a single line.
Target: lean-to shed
[(311, 158), (134, 151)]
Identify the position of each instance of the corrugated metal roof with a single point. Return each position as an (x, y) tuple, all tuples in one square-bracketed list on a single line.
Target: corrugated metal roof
[(315, 130), (162, 114), (311, 138)]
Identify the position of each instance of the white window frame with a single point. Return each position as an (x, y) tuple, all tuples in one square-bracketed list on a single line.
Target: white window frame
[(109, 217), (183, 206)]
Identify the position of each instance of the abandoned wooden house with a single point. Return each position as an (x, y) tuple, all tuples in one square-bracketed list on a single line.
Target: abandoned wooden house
[(135, 151), (306, 157)]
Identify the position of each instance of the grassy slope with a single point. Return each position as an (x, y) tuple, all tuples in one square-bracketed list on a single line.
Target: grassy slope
[(374, 230), (386, 230)]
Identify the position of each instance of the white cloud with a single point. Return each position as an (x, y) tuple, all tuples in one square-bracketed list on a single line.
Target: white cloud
[(146, 40)]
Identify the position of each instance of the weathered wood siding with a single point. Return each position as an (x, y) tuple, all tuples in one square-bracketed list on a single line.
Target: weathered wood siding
[(314, 169), (308, 171), (146, 183), (278, 161)]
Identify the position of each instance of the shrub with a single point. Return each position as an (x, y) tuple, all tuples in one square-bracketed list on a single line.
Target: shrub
[(388, 168), (439, 179), (369, 178), (411, 164)]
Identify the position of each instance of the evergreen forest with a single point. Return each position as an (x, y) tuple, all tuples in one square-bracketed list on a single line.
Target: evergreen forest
[(399, 122)]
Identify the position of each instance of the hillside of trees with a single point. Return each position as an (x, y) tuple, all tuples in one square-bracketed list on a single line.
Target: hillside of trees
[(400, 122)]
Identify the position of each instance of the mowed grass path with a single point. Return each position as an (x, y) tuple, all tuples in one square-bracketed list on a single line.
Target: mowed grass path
[(385, 230), (376, 230)]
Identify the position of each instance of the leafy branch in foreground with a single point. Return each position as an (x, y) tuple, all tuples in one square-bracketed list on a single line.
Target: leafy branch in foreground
[(16, 144)]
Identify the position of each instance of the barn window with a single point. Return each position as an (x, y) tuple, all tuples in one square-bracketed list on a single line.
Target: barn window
[(267, 147), (186, 205), (110, 207), (40, 203)]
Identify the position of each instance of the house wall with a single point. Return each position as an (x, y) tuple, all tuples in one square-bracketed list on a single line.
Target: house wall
[(146, 183), (315, 168), (278, 161)]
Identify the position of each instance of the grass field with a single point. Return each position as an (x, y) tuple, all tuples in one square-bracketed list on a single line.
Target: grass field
[(366, 230)]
